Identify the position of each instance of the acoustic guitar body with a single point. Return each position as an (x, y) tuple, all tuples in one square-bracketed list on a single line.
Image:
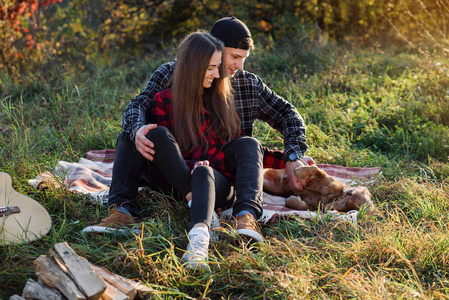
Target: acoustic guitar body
[(22, 219)]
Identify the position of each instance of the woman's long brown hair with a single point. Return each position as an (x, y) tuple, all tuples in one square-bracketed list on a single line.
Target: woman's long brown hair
[(193, 59)]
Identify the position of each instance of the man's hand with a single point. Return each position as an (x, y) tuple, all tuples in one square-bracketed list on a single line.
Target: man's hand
[(290, 167), (307, 160), (144, 145)]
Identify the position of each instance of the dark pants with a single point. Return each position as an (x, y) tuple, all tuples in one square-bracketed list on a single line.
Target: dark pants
[(244, 158), (211, 191), (169, 173)]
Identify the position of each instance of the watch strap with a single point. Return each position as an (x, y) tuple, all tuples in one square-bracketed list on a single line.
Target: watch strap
[(288, 157)]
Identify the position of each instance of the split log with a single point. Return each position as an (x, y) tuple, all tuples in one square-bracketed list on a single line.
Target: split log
[(143, 292), (113, 293), (74, 278), (81, 272), (115, 280), (34, 290), (53, 289), (51, 274)]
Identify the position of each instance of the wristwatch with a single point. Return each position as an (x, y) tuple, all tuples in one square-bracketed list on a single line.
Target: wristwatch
[(292, 157)]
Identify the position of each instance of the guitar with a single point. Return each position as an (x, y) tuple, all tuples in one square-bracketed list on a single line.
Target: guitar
[(22, 219)]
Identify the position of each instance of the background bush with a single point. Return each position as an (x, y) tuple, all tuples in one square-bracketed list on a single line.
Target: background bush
[(40, 35)]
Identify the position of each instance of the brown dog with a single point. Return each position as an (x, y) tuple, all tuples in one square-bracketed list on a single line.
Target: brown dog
[(322, 191)]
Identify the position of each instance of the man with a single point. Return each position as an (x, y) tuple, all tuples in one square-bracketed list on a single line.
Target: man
[(253, 99)]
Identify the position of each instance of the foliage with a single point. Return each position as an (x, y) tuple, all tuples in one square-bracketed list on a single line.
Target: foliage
[(20, 32), (39, 36), (420, 22)]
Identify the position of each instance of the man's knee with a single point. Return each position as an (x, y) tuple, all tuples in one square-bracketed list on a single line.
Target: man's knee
[(124, 146), (249, 143)]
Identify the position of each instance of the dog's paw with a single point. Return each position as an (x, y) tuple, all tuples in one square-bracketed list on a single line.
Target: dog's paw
[(309, 173), (295, 202)]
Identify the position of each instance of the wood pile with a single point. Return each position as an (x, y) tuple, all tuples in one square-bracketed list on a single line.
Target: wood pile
[(65, 275)]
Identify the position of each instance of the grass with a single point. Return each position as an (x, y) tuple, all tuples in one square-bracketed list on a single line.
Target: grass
[(363, 107)]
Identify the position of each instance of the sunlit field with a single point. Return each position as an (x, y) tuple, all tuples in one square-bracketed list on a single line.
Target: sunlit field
[(366, 103)]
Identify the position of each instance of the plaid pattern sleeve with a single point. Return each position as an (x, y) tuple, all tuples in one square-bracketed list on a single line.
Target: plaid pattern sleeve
[(138, 111), (273, 159), (255, 100)]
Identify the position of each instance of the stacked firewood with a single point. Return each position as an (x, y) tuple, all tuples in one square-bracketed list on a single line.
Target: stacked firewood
[(65, 275)]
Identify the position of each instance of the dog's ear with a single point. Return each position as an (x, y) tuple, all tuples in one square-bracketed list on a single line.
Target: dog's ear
[(348, 190), (357, 197), (363, 197), (353, 198)]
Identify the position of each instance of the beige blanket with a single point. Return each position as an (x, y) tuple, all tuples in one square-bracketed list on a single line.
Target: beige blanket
[(92, 176)]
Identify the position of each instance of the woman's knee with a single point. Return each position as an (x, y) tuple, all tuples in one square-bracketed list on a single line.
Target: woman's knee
[(158, 133), (202, 172)]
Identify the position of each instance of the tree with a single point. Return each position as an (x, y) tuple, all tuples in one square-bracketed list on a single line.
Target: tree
[(19, 26)]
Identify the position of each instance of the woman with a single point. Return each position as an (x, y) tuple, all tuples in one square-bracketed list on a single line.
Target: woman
[(198, 143)]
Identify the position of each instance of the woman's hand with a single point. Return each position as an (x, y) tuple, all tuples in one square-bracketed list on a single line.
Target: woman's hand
[(200, 163)]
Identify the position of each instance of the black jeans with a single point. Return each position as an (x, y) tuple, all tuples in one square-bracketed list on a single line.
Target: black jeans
[(211, 191), (169, 173), (244, 158)]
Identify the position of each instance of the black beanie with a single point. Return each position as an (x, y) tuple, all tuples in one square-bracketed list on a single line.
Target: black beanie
[(231, 31)]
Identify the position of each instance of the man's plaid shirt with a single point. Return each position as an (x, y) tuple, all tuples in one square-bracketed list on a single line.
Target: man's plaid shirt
[(253, 100)]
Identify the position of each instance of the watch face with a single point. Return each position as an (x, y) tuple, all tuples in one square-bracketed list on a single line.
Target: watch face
[(292, 157)]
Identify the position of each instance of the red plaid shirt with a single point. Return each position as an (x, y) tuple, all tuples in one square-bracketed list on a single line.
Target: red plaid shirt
[(273, 158), (162, 115)]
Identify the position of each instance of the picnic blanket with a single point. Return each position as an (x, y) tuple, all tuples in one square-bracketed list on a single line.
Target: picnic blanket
[(92, 176)]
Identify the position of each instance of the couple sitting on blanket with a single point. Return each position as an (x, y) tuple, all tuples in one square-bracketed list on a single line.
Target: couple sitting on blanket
[(195, 138)]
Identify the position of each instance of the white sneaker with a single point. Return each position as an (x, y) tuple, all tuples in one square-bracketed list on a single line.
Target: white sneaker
[(196, 255), (214, 225), (101, 197)]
